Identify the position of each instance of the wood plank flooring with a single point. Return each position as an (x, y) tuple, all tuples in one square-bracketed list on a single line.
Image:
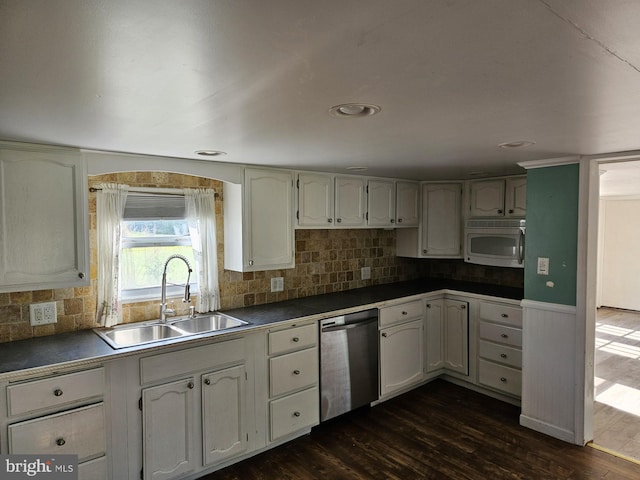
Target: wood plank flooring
[(438, 431)]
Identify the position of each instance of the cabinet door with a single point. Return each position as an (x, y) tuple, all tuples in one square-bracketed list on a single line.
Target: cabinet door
[(224, 414), (407, 204), (456, 338), (269, 220), (168, 426), (516, 197), (434, 334), (43, 212), (401, 356), (487, 198), (381, 203), (441, 220), (315, 200), (350, 202)]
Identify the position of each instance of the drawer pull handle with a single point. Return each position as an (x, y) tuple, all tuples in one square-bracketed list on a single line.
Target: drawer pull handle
[(296, 372), (190, 385), (60, 442), (57, 392), (503, 355), (405, 313), (504, 335), (296, 339), (503, 380), (207, 381), (296, 414), (504, 315)]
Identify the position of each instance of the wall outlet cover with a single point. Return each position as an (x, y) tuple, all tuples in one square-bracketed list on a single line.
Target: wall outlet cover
[(365, 273), (43, 313), (543, 266), (277, 284)]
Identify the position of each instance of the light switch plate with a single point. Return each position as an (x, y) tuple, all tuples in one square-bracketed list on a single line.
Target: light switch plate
[(277, 284), (543, 266)]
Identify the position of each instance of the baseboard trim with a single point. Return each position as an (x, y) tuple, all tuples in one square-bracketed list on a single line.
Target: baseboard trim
[(548, 429)]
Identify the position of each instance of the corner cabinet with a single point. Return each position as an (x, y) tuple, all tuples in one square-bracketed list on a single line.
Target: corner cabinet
[(258, 221), (447, 336), (43, 209)]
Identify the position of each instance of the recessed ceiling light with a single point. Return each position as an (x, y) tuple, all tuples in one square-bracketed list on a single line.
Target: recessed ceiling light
[(352, 110), (210, 153), (357, 169), (517, 144)]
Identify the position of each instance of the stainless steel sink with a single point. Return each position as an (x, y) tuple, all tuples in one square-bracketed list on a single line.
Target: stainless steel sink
[(209, 323), (149, 332)]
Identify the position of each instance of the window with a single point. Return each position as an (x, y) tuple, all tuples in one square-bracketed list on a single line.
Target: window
[(154, 227)]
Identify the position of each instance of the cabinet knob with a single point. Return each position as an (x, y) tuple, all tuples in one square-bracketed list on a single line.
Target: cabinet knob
[(296, 339), (399, 220), (405, 313), (393, 220), (60, 442), (504, 335), (296, 414), (384, 334), (81, 275), (424, 251), (207, 381), (296, 372), (463, 307), (428, 305), (190, 385), (339, 220), (250, 262), (330, 220), (503, 380), (503, 355), (58, 392), (511, 210), (500, 211), (504, 315)]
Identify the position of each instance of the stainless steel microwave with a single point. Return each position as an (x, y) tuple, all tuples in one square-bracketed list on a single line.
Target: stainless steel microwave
[(497, 242)]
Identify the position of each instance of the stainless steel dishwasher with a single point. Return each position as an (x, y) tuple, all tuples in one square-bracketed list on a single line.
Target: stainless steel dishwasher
[(348, 362)]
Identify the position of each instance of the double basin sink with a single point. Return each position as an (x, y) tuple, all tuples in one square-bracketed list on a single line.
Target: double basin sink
[(156, 331)]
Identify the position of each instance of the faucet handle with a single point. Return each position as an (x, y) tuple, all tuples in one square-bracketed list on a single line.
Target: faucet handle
[(192, 311)]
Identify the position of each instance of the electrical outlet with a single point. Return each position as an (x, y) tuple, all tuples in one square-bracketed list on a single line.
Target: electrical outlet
[(277, 284), (43, 313), (365, 273)]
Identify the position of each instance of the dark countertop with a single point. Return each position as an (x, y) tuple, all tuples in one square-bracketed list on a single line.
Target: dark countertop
[(71, 347)]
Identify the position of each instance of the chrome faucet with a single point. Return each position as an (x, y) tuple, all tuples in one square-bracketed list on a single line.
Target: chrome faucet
[(164, 311)]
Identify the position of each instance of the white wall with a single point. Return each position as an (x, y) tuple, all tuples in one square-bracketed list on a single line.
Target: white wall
[(619, 261)]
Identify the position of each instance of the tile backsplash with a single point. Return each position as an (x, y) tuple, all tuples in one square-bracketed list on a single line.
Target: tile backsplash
[(326, 261)]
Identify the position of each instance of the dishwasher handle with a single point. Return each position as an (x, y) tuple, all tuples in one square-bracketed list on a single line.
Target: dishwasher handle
[(348, 326)]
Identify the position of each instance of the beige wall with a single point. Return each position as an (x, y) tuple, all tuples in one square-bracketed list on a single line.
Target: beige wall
[(326, 261)]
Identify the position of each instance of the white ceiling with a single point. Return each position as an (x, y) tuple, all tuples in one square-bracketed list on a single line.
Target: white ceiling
[(255, 78)]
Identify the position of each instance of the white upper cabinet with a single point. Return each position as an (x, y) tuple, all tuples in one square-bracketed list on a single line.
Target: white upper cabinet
[(258, 221), (43, 210), (501, 197), (440, 230), (350, 201), (326, 201), (407, 204), (381, 203)]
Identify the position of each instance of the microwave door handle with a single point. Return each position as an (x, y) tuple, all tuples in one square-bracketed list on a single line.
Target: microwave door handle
[(521, 247)]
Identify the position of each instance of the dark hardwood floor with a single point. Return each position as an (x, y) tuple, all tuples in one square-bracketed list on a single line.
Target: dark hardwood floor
[(439, 431)]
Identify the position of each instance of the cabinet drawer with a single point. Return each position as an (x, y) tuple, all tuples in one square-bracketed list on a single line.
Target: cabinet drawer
[(506, 379), (76, 432), (53, 392), (501, 334), (501, 353), (507, 314), (294, 412), (93, 469), (293, 371), (402, 312), (291, 339)]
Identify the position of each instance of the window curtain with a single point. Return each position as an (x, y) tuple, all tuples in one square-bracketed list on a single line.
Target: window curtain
[(201, 216), (110, 201)]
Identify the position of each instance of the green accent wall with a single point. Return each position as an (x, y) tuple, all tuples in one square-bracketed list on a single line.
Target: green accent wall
[(552, 232)]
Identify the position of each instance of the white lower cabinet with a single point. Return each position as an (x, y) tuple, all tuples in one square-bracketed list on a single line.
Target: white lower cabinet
[(447, 336), (200, 419), (60, 415), (401, 356), (293, 369)]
